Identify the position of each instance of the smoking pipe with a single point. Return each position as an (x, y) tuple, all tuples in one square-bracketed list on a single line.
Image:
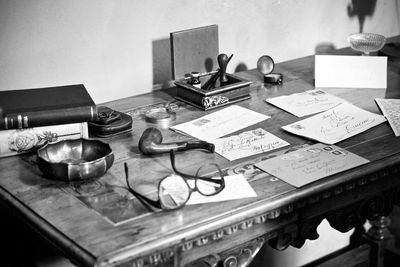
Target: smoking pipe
[(150, 143)]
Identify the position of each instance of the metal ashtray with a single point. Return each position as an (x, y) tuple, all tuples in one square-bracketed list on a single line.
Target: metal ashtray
[(160, 115), (74, 160)]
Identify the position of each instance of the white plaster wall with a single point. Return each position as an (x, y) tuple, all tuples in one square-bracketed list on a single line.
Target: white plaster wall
[(120, 48)]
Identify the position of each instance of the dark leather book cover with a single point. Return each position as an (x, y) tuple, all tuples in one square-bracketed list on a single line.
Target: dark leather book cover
[(27, 108)]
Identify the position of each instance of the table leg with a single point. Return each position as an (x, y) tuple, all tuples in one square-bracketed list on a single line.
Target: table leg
[(380, 239)]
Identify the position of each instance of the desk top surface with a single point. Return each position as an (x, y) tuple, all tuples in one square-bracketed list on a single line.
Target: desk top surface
[(100, 222)]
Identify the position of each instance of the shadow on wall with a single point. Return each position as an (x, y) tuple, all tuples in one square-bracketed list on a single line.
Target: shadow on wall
[(356, 8), (361, 9), (162, 64), (162, 72), (240, 67), (324, 48)]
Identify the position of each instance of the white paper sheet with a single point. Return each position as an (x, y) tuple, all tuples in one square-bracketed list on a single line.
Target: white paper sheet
[(220, 123), (247, 144), (306, 103), (391, 110), (336, 124), (350, 71), (310, 164), (236, 187)]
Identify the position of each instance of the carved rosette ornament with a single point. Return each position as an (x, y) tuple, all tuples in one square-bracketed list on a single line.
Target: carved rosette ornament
[(345, 219), (237, 257)]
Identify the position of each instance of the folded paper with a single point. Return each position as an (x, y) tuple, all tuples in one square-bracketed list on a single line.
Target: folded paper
[(391, 110), (350, 71), (236, 187)]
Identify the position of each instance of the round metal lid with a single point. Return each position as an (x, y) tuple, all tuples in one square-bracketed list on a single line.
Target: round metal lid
[(160, 115), (265, 64)]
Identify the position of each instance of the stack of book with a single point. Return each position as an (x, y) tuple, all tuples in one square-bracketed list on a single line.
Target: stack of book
[(30, 118)]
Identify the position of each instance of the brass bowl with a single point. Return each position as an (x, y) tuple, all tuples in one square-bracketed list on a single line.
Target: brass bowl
[(75, 160)]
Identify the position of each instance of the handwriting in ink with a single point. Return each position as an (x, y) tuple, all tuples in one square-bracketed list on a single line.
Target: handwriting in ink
[(249, 141)]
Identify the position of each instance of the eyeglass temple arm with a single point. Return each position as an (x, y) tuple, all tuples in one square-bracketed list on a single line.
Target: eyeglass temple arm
[(222, 181), (144, 200), (150, 143)]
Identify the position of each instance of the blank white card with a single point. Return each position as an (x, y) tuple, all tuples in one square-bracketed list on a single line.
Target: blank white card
[(350, 71)]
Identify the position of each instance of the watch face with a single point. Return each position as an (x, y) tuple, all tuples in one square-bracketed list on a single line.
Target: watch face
[(265, 64)]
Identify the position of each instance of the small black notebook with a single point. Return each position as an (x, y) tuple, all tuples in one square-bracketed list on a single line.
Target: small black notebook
[(27, 108)]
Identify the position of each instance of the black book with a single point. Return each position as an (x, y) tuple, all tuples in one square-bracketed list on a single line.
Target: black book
[(28, 108)]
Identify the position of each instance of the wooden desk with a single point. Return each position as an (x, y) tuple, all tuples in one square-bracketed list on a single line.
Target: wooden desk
[(230, 231)]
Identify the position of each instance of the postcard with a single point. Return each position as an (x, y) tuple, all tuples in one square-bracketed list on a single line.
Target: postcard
[(306, 103), (350, 71), (236, 187), (391, 110), (220, 123), (336, 124), (310, 164), (247, 144)]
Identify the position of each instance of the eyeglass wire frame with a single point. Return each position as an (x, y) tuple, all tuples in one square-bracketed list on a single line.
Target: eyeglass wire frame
[(159, 203)]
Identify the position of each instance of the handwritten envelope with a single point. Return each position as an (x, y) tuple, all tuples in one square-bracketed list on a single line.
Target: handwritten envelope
[(247, 144), (336, 124), (220, 123), (350, 71), (306, 103), (391, 110), (310, 164)]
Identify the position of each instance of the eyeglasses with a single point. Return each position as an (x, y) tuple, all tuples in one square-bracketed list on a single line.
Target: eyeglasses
[(174, 190)]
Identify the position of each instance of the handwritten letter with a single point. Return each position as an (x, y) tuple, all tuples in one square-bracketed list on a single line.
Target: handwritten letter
[(247, 144), (391, 110), (306, 103), (336, 124)]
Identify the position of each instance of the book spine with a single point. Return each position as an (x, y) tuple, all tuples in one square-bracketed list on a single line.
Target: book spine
[(20, 141), (48, 117)]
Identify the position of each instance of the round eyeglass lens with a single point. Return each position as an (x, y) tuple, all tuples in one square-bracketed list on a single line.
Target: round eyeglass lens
[(210, 181), (173, 192)]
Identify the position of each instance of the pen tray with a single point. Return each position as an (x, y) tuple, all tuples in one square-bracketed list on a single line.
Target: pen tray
[(236, 89)]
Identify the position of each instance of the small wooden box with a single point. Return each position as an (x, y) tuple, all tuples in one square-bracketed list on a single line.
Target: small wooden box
[(236, 89)]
